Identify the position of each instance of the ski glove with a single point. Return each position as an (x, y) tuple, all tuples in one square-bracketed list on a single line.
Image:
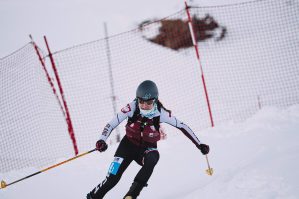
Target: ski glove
[(101, 145), (204, 149)]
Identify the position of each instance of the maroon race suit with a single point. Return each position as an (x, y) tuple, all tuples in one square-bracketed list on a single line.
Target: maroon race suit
[(142, 132)]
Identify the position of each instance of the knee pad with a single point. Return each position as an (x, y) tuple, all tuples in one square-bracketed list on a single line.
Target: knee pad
[(151, 158)]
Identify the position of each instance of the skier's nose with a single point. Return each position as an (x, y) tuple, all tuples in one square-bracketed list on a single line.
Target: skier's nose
[(143, 106)]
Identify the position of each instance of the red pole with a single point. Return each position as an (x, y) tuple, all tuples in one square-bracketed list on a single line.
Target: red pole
[(68, 117), (47, 74), (198, 59)]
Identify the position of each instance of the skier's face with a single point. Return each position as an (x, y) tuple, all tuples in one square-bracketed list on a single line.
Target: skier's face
[(146, 105)]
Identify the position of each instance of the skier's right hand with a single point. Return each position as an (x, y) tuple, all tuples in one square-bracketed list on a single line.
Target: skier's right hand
[(101, 145)]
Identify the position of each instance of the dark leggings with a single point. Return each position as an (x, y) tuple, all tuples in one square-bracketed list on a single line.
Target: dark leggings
[(127, 152)]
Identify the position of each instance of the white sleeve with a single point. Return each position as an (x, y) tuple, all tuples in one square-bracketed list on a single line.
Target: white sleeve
[(125, 112), (166, 117)]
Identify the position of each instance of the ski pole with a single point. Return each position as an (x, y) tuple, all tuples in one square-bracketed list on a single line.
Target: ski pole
[(4, 184), (209, 170)]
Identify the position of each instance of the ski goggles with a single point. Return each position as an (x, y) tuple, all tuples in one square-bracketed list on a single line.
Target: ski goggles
[(148, 102)]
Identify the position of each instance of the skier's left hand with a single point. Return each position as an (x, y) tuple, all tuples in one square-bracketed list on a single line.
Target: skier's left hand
[(101, 145), (204, 149)]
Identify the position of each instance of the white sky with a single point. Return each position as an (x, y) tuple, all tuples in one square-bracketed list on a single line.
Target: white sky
[(70, 22)]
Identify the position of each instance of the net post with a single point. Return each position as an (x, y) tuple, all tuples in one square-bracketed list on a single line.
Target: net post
[(113, 96)]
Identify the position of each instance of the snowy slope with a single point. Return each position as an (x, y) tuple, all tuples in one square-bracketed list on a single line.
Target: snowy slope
[(255, 159)]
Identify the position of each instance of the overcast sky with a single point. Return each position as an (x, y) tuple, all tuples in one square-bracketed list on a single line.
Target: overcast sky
[(70, 22)]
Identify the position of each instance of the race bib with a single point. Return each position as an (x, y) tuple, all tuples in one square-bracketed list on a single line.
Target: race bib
[(114, 167)]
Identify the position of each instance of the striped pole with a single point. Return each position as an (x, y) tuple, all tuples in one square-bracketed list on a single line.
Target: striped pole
[(47, 74), (4, 184), (198, 59), (68, 116)]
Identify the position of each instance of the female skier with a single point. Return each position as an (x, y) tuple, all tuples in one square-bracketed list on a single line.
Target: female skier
[(144, 115)]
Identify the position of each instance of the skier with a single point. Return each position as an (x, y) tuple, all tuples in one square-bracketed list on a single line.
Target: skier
[(144, 115)]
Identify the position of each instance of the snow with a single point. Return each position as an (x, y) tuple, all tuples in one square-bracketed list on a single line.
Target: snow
[(256, 159)]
